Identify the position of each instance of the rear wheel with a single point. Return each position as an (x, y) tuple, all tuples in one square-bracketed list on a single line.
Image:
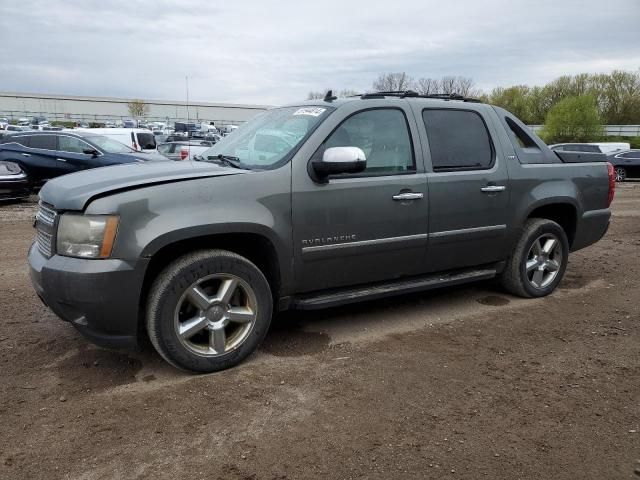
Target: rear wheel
[(539, 260), (208, 310), (620, 174)]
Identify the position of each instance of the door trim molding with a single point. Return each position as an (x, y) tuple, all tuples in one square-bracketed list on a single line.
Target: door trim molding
[(474, 232), (362, 246)]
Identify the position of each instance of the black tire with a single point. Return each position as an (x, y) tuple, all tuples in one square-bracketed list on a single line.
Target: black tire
[(620, 174), (514, 278), (168, 291)]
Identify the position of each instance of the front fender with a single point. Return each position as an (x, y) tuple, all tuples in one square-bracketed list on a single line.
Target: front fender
[(156, 216)]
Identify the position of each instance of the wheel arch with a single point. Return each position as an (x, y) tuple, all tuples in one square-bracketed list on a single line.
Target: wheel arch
[(563, 212), (256, 247)]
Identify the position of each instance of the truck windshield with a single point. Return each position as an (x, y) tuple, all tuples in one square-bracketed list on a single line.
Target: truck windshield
[(271, 138)]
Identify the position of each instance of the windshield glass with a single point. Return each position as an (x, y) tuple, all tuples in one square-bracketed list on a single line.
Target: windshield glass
[(109, 146), (268, 140)]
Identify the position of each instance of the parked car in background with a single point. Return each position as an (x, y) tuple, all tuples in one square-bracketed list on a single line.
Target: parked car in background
[(110, 125), (3, 122), (596, 147), (23, 122), (15, 128), (576, 147), (14, 184), (45, 155), (129, 123), (626, 164), (138, 139), (183, 150)]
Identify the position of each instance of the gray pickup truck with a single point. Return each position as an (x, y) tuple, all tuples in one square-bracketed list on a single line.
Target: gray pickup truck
[(309, 206)]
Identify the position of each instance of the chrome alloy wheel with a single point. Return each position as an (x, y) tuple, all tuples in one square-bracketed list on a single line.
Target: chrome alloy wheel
[(544, 260), (215, 314), (620, 174)]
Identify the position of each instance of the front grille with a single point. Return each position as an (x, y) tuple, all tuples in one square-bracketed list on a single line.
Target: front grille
[(45, 227), (44, 240), (46, 215)]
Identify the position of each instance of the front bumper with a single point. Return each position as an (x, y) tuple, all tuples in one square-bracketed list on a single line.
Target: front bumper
[(13, 189), (98, 297)]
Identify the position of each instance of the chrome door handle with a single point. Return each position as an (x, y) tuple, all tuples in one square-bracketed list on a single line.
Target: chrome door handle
[(408, 196), (493, 188), (26, 154), (61, 159)]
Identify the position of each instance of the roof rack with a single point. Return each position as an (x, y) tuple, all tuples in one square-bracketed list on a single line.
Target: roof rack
[(412, 94)]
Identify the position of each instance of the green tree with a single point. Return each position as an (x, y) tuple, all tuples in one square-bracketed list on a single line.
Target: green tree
[(137, 108), (573, 119)]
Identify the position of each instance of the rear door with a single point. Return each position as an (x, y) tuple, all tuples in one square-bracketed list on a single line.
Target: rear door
[(468, 186)]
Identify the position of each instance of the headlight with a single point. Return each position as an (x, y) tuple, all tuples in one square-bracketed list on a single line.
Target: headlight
[(86, 236)]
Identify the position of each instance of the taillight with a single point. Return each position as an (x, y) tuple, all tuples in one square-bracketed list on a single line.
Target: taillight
[(184, 153), (612, 183)]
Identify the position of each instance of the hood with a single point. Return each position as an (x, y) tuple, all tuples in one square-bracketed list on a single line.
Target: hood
[(74, 191)]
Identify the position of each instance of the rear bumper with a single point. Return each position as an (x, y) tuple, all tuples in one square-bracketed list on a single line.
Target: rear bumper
[(590, 228), (98, 297)]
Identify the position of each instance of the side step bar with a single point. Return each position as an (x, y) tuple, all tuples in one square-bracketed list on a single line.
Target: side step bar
[(371, 292)]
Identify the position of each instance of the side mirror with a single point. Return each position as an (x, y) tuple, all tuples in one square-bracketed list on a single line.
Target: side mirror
[(91, 151), (336, 160)]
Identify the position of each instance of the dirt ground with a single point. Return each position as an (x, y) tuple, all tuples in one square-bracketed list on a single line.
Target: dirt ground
[(461, 383)]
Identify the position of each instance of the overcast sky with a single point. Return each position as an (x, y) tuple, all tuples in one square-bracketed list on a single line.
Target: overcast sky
[(271, 52)]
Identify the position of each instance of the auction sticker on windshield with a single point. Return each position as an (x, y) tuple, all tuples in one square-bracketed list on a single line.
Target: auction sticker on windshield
[(313, 111)]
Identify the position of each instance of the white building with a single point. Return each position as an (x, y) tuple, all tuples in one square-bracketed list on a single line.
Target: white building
[(101, 109)]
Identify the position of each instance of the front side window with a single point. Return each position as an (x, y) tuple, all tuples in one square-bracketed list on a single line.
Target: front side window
[(458, 140), (72, 144), (271, 138), (383, 135), (108, 145), (46, 142)]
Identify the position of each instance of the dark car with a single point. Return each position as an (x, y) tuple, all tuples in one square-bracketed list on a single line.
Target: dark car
[(626, 164), (13, 182), (45, 155)]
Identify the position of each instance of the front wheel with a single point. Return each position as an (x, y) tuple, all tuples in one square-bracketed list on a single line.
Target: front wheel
[(620, 174), (539, 260), (208, 310)]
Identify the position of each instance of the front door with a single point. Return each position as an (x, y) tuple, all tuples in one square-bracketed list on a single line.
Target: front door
[(359, 228), (468, 187)]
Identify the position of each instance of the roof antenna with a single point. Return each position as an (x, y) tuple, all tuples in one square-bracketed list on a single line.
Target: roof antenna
[(329, 96)]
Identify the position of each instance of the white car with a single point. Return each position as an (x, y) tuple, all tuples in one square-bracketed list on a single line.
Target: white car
[(140, 139)]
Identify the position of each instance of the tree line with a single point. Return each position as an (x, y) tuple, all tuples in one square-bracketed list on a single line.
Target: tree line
[(616, 95), (573, 108)]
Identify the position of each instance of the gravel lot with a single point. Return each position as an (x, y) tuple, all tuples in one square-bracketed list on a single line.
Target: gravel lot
[(462, 383)]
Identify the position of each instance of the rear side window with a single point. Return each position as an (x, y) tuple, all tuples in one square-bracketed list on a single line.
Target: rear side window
[(146, 141), (47, 142), (631, 155), (522, 138), (22, 140), (458, 140), (164, 148)]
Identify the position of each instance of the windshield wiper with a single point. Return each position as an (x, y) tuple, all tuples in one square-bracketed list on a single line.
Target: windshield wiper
[(226, 160)]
